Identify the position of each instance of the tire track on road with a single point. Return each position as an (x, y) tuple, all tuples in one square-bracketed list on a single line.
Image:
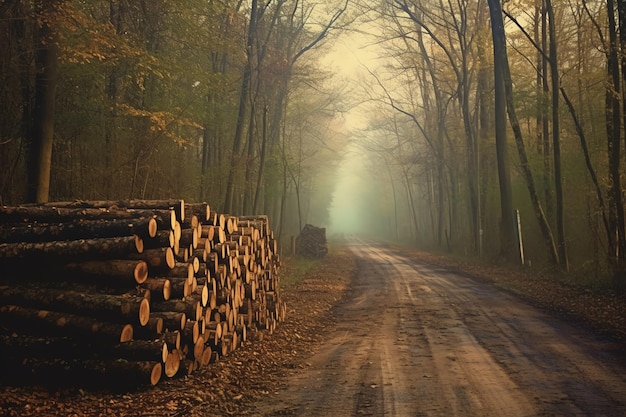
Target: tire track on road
[(412, 340)]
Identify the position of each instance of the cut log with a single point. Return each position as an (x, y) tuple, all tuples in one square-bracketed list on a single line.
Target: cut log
[(172, 364), (180, 270), (118, 374), (178, 287), (227, 285), (172, 320), (44, 214), (152, 330), (202, 210), (113, 272), (21, 346), (71, 250), (43, 322), (162, 239), (83, 229), (158, 259), (192, 309), (172, 339), (310, 243), (138, 350), (160, 288), (191, 332), (135, 204), (188, 238), (201, 295), (207, 354), (198, 348), (117, 308)]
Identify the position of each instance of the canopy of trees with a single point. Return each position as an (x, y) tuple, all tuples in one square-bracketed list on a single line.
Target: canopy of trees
[(500, 123), (218, 101), (492, 130)]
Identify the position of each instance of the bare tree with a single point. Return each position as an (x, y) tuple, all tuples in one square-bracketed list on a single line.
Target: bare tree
[(504, 90)]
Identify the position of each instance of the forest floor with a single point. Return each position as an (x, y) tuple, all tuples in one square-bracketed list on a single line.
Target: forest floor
[(256, 372)]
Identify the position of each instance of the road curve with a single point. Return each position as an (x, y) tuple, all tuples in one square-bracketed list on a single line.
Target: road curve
[(413, 340)]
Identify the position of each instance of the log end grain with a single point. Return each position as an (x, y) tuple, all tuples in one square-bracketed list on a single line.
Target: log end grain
[(138, 244), (206, 356), (141, 272), (167, 289), (126, 333), (198, 348), (155, 375), (164, 353), (170, 259), (144, 311), (172, 364), (152, 227)]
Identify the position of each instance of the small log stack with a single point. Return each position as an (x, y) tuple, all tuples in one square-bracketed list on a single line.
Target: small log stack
[(311, 243), (130, 292)]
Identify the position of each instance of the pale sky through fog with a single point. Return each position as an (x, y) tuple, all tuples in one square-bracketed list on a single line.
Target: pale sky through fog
[(348, 211)]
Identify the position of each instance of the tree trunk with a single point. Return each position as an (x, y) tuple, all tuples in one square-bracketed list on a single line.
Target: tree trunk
[(243, 100), (556, 140), (617, 237), (507, 239), (521, 150), (40, 152), (259, 181)]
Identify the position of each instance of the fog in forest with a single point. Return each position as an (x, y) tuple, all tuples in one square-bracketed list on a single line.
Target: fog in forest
[(376, 120), (361, 202), (349, 211), (358, 205)]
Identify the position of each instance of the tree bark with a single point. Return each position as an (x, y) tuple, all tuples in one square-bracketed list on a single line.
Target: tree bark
[(160, 288), (40, 152), (158, 259), (617, 235), (117, 373), (71, 250), (33, 321), (556, 140), (117, 308), (192, 309), (110, 272), (507, 240), (50, 214), (243, 101), (172, 320), (78, 229)]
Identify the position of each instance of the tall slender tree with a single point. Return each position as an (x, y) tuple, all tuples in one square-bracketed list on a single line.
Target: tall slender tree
[(40, 152)]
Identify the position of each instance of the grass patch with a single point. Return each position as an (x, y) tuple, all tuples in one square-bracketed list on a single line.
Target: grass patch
[(295, 268)]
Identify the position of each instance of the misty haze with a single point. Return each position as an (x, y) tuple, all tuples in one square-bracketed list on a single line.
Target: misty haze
[(312, 208)]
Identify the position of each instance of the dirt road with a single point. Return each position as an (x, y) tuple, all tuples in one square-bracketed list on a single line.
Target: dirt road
[(412, 340)]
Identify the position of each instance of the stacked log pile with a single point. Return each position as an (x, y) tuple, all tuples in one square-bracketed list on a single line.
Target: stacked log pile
[(113, 293), (311, 242)]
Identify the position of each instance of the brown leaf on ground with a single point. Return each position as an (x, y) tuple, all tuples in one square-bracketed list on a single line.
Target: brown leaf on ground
[(254, 372)]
